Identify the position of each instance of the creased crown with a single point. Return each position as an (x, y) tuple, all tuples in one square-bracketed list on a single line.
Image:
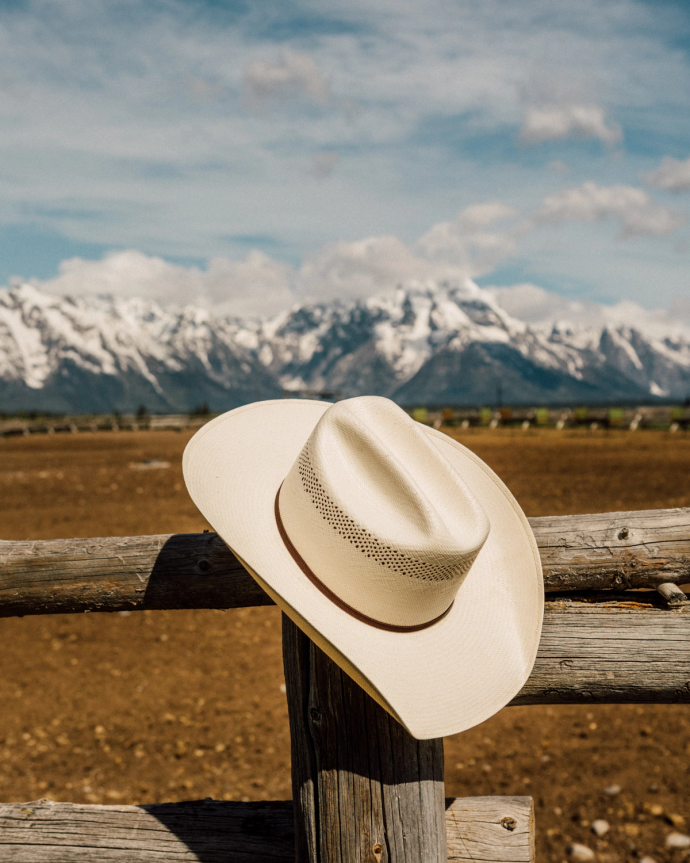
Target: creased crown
[(379, 515)]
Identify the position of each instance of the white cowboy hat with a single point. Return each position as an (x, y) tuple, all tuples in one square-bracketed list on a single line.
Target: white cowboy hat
[(395, 548)]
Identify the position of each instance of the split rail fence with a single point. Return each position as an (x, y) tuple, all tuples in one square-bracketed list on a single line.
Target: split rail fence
[(616, 630)]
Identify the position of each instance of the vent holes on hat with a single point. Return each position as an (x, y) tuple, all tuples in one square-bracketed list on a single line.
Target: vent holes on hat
[(366, 542)]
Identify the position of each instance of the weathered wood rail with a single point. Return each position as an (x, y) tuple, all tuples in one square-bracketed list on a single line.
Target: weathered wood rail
[(363, 789), (215, 831), (616, 550)]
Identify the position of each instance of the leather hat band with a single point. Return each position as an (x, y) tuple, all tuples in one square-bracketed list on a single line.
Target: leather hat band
[(328, 593)]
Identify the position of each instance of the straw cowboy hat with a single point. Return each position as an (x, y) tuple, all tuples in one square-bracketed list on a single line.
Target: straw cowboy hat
[(396, 549)]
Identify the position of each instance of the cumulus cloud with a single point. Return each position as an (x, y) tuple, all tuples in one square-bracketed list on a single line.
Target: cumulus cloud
[(126, 273), (541, 308), (261, 286), (556, 122), (636, 212), (482, 215), (296, 73), (481, 237), (142, 142), (256, 284), (673, 175), (534, 305), (467, 243), (680, 309), (360, 268), (459, 249)]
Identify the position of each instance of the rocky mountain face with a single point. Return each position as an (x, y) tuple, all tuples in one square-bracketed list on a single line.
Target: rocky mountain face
[(431, 344), (455, 345), (67, 355)]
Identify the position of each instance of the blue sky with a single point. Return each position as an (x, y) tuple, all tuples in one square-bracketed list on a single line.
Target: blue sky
[(245, 155)]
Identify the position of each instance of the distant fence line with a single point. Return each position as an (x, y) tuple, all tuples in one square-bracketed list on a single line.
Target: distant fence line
[(15, 426), (660, 417), (664, 417)]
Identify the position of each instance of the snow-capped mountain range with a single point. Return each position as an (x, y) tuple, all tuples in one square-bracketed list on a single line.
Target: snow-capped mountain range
[(428, 344)]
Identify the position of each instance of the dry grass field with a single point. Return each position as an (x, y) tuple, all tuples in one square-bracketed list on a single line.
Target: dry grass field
[(162, 706)]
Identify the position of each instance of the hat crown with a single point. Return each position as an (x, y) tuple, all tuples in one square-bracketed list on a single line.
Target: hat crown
[(378, 514)]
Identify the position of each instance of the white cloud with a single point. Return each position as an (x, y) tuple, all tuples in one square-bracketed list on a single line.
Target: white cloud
[(259, 284), (467, 244), (256, 285), (673, 175), (637, 213), (359, 269), (295, 73), (123, 123), (463, 248), (127, 273), (482, 215), (541, 308), (680, 309), (555, 122), (534, 305)]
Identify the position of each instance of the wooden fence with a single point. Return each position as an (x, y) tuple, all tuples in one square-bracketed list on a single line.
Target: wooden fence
[(659, 417), (99, 422), (616, 629)]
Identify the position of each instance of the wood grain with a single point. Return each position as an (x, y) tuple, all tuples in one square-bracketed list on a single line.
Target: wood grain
[(490, 829), (363, 788), (621, 648), (212, 831), (218, 832), (118, 573), (605, 647), (619, 550), (585, 552)]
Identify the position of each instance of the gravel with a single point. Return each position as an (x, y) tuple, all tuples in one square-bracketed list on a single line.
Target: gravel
[(677, 840), (580, 853)]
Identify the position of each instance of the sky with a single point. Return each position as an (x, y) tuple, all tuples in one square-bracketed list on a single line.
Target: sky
[(249, 155)]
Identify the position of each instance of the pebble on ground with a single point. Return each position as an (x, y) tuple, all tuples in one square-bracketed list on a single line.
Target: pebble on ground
[(580, 853)]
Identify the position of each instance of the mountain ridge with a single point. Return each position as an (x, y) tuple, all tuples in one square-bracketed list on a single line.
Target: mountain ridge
[(428, 343)]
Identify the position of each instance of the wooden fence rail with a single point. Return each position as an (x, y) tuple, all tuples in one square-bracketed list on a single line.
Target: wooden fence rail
[(363, 789), (617, 550), (212, 831)]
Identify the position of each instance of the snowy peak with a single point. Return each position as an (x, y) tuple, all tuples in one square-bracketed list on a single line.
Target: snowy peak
[(424, 343), (58, 353)]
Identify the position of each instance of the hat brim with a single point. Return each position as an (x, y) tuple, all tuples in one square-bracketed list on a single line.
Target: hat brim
[(436, 681)]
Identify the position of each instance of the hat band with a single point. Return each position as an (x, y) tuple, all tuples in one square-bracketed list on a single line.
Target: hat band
[(334, 598)]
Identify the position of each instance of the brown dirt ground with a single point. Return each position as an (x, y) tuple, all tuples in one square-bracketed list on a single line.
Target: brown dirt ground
[(162, 706)]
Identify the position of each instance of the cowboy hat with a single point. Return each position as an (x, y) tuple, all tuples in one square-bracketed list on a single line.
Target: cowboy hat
[(395, 548)]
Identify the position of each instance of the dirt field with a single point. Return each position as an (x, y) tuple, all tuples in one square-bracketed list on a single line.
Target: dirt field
[(163, 706)]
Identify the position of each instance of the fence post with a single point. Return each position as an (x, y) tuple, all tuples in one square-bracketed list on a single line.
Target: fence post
[(364, 790)]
